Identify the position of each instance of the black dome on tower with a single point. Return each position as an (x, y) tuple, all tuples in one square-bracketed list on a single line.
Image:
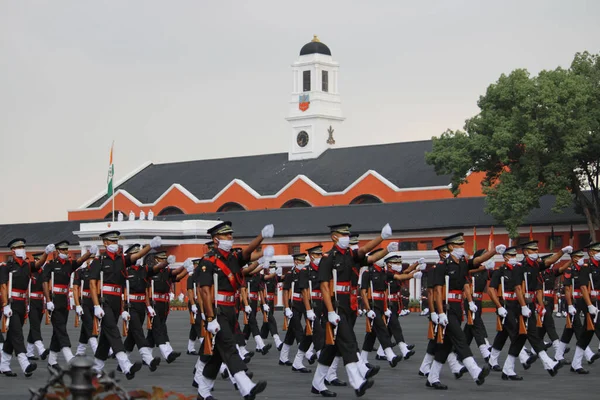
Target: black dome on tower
[(315, 47)]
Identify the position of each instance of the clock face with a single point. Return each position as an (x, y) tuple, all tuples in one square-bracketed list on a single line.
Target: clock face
[(302, 139)]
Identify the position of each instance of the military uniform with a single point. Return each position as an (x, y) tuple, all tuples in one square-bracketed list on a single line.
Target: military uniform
[(270, 286), (254, 289), (81, 280), (547, 284), (478, 282), (193, 304), (35, 315)]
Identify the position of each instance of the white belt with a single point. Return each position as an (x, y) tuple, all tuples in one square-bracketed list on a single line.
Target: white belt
[(221, 297)]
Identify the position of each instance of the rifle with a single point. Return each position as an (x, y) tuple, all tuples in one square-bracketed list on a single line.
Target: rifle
[(500, 322), (48, 313), (126, 295), (469, 312), (593, 289), (309, 326), (441, 333), (522, 326), (80, 302), (97, 321), (150, 319), (5, 319), (27, 302), (248, 300), (538, 321), (369, 327), (570, 319), (265, 301), (329, 332), (192, 302), (208, 337)]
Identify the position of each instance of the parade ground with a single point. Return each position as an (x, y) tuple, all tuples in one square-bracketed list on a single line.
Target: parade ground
[(401, 381)]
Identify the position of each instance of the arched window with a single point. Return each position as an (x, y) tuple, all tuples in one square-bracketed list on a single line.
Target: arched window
[(231, 206), (295, 203), (110, 214), (366, 199), (171, 210)]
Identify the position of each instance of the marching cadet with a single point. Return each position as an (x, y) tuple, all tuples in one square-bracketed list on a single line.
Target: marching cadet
[(337, 266), (194, 306), (316, 304), (548, 278), (296, 297), (57, 279), (14, 279), (593, 251), (477, 281), (137, 304), (161, 277), (106, 286), (374, 285), (270, 282), (36, 313), (220, 272), (84, 306), (394, 265), (455, 268), (579, 298), (254, 295), (433, 316)]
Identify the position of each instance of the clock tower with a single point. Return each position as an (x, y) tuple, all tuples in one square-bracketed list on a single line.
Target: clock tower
[(315, 107)]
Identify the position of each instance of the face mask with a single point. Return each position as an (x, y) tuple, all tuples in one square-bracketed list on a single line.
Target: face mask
[(397, 268), (580, 262), (458, 252), (354, 247), (21, 253), (139, 262), (512, 261), (63, 256), (272, 270), (343, 242), (225, 245), (597, 256), (112, 248), (316, 261), (447, 255), (533, 256), (299, 267)]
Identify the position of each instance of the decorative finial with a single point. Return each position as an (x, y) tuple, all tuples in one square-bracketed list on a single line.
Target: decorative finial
[(330, 139), (315, 39)]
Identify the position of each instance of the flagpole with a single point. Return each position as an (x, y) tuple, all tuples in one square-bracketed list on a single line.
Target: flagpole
[(113, 207)]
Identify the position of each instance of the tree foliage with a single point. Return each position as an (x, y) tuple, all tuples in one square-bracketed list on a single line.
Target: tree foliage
[(533, 136)]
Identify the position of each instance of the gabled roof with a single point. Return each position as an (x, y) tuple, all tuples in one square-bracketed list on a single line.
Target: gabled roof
[(403, 164)]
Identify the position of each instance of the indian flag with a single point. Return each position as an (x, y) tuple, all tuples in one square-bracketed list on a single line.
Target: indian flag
[(111, 172)]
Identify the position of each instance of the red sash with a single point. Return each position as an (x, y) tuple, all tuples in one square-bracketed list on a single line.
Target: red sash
[(230, 276)]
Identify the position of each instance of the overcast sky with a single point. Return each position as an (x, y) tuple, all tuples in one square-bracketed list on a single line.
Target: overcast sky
[(184, 80)]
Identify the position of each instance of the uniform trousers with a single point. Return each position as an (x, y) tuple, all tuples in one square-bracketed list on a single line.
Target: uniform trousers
[(271, 325), (158, 334), (394, 325), (196, 327), (252, 326), (135, 333), (576, 330), (14, 337), (296, 331), (224, 350), (345, 340), (510, 329), (87, 321), (379, 330), (454, 336), (586, 336), (548, 326), (36, 313), (476, 331), (60, 336), (110, 336)]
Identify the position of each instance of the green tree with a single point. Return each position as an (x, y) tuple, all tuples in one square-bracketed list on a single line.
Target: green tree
[(534, 136)]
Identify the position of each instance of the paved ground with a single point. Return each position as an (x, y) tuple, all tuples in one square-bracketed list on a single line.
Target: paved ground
[(389, 384)]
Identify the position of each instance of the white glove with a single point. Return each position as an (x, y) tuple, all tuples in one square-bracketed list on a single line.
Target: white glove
[(310, 314), (247, 309), (151, 311), (50, 248), (434, 318), (171, 259), (525, 311), (421, 267), (388, 313), (361, 312), (269, 251), (213, 327), (125, 316), (268, 231), (50, 306), (421, 261), (194, 309), (98, 312), (203, 316), (93, 249), (500, 249), (592, 309), (472, 306), (502, 312), (79, 310), (155, 242), (443, 319), (333, 318), (392, 247), (572, 310), (417, 275), (279, 271), (71, 301), (266, 308), (7, 311), (386, 232), (567, 249), (28, 308), (289, 313), (371, 314), (489, 264)]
